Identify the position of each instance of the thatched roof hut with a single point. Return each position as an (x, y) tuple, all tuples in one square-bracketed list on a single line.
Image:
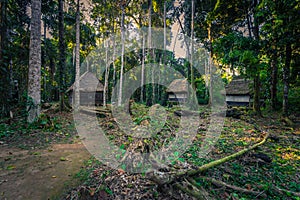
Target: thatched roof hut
[(178, 90), (90, 88), (238, 92), (238, 87), (88, 82), (178, 86)]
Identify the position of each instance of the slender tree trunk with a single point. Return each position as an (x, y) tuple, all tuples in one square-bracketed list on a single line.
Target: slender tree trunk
[(122, 56), (165, 33), (149, 25), (34, 70), (114, 57), (2, 28), (150, 50), (256, 102), (210, 67), (249, 25), (52, 72), (192, 46), (77, 59), (4, 80), (158, 80), (74, 56), (206, 63), (11, 79), (286, 75), (3, 31), (143, 69), (106, 75), (165, 48), (62, 56), (153, 85), (274, 68), (44, 63)]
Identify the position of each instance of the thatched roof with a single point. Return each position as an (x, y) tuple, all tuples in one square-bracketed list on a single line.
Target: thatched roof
[(178, 85), (88, 83), (238, 87)]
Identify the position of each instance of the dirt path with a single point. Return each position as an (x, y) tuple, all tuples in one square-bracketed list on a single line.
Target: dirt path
[(39, 174)]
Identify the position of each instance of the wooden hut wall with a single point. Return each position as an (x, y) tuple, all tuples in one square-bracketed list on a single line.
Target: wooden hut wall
[(89, 98)]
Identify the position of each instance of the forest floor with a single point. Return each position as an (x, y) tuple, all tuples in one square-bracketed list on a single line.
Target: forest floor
[(48, 160), (40, 162)]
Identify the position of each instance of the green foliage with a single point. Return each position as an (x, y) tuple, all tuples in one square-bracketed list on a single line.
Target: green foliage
[(228, 21), (84, 174), (294, 100), (201, 91)]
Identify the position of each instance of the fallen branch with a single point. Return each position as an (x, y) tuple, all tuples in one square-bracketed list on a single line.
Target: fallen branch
[(239, 189), (175, 177), (220, 161)]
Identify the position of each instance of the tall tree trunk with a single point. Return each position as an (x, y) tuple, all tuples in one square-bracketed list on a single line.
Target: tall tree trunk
[(11, 79), (165, 33), (149, 26), (113, 58), (143, 69), (106, 75), (77, 59), (158, 80), (165, 48), (122, 56), (253, 29), (286, 75), (192, 46), (62, 57), (4, 80), (52, 79), (249, 24), (256, 102), (150, 50), (153, 85), (2, 28), (3, 31), (44, 56), (34, 70), (274, 68), (210, 66), (206, 72)]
